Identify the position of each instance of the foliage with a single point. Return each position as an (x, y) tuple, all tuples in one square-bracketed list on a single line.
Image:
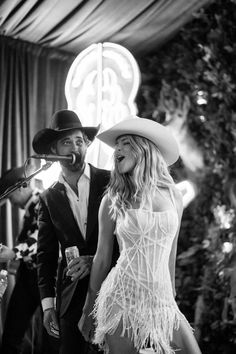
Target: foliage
[(201, 62)]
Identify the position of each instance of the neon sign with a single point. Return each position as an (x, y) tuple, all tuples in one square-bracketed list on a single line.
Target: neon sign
[(101, 87)]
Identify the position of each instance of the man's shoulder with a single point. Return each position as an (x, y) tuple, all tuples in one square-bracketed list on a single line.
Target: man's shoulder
[(100, 171), (56, 186), (100, 177)]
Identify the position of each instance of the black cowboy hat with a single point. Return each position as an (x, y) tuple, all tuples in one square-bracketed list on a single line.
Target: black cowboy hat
[(62, 121), (10, 177)]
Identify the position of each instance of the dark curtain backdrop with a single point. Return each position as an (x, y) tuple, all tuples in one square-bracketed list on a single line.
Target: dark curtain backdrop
[(32, 82)]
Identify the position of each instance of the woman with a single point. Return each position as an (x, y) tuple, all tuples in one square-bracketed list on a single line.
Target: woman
[(135, 307)]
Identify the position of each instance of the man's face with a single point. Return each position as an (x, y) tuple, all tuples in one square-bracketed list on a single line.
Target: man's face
[(72, 142)]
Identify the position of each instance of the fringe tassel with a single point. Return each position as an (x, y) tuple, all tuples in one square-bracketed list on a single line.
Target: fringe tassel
[(146, 318)]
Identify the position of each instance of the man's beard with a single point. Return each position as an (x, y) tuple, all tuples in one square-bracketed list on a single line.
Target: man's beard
[(77, 166)]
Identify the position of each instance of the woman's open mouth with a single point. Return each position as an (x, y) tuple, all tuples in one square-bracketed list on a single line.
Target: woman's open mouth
[(120, 158)]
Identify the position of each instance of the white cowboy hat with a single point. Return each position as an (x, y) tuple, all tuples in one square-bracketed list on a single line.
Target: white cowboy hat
[(148, 129)]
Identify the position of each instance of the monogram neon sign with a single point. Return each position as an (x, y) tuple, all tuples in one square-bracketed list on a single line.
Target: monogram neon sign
[(101, 87)]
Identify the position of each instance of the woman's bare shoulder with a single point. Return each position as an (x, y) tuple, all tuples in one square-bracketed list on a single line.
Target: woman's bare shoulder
[(106, 201), (105, 205)]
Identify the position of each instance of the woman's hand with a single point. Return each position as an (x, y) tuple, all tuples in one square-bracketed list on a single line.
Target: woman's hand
[(86, 326), (6, 254)]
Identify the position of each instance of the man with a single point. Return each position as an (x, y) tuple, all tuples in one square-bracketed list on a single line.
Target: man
[(25, 297), (68, 216)]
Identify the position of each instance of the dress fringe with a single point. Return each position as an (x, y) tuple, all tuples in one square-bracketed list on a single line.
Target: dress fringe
[(149, 321)]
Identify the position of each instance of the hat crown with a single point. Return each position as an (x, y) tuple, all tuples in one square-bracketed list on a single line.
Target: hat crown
[(65, 119)]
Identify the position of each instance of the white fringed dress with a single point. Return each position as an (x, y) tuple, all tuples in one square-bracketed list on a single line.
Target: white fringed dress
[(137, 293)]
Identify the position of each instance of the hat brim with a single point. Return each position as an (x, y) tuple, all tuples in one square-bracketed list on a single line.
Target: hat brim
[(155, 132), (43, 140)]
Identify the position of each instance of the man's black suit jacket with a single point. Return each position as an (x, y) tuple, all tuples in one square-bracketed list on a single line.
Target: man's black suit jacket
[(57, 226)]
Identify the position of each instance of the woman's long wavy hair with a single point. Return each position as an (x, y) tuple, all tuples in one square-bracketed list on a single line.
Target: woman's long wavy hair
[(149, 173)]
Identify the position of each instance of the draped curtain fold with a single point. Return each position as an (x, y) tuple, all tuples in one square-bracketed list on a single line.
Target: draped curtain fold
[(32, 81), (139, 25)]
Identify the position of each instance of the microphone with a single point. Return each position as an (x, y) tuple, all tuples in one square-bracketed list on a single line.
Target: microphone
[(73, 158)]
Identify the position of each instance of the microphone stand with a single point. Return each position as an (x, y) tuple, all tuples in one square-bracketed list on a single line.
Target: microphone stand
[(23, 183)]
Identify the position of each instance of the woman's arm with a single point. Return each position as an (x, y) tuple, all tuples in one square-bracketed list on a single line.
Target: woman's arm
[(103, 257), (172, 259), (100, 267)]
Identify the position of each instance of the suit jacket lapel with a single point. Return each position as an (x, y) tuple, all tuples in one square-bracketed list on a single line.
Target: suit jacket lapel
[(93, 205), (65, 213)]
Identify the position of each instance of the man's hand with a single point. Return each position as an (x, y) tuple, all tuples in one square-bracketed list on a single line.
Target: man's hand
[(50, 322), (6, 254), (79, 267)]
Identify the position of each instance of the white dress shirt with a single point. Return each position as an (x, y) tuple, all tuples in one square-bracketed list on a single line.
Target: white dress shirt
[(79, 203)]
